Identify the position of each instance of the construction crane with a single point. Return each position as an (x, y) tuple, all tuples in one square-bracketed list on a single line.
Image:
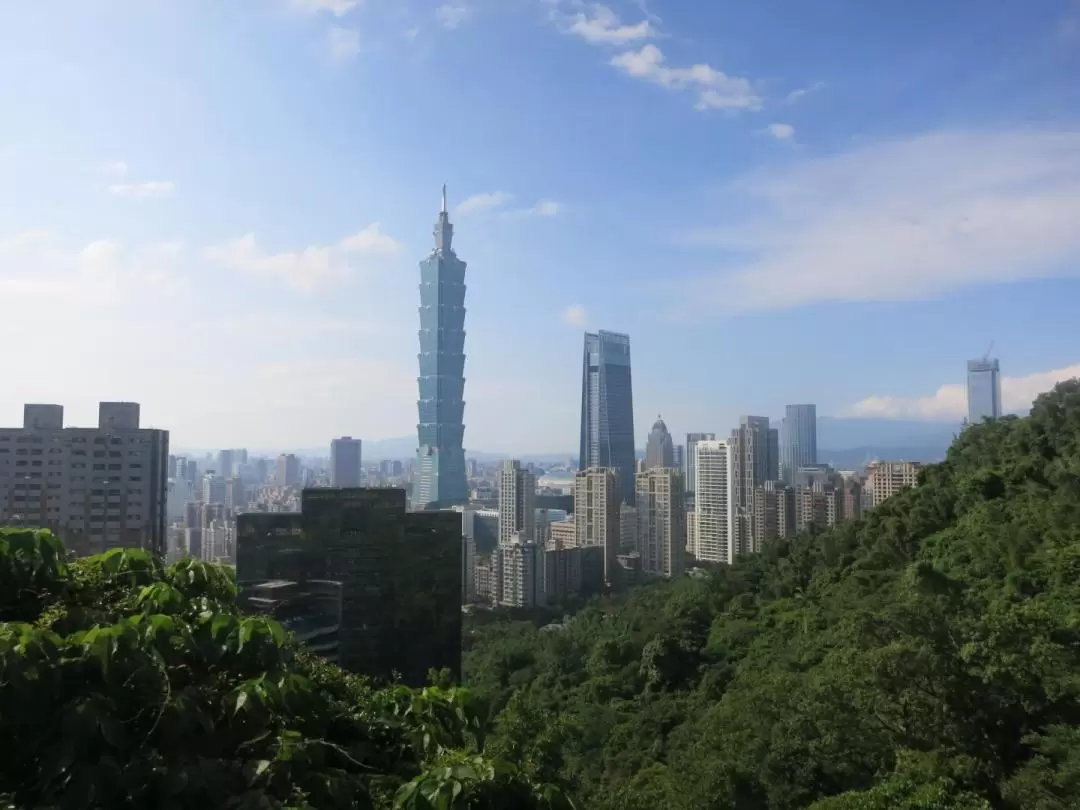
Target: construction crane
[(986, 357)]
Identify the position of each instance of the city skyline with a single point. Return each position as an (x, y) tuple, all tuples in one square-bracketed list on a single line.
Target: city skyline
[(260, 184)]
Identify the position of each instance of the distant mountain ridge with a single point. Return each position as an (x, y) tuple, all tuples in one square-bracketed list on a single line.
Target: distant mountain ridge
[(842, 442)]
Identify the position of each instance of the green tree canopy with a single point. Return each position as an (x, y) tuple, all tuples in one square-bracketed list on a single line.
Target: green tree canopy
[(926, 656), (124, 683)]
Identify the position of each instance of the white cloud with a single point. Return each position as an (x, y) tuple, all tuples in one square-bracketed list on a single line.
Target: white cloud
[(143, 191), (34, 265), (498, 200), (302, 269), (782, 132), (544, 208), (482, 202), (950, 401), (575, 315), (715, 90), (306, 269), (802, 92), (115, 168), (899, 220), (603, 26), (338, 8), (343, 43), (451, 16), (371, 240)]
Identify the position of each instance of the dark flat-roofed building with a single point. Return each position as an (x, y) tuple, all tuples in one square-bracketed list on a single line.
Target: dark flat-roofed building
[(398, 577)]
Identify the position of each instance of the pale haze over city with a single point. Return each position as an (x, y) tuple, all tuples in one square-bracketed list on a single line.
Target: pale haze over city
[(217, 209)]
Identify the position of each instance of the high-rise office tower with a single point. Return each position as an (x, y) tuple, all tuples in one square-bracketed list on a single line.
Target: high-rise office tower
[(214, 489), (983, 390), (659, 449), (597, 501), (661, 520), (691, 442), (359, 580), (226, 463), (798, 440), (607, 408), (345, 462), (95, 488), (517, 504), (680, 461), (755, 456), (288, 470), (714, 502), (439, 478)]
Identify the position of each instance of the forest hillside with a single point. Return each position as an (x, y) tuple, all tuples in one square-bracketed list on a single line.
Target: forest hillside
[(926, 656)]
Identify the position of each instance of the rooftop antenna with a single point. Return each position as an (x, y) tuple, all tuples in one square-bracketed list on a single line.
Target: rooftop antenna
[(444, 199), (986, 357)]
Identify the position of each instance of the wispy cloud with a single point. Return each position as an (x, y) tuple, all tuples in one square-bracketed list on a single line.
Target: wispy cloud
[(34, 264), (802, 92), (114, 168), (343, 43), (497, 201), (950, 401), (482, 202), (143, 191), (715, 90), (782, 132), (603, 26), (304, 270), (338, 8), (575, 315), (452, 15), (899, 220), (544, 208), (371, 240)]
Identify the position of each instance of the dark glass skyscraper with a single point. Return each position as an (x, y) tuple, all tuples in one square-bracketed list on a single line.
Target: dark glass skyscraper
[(439, 478), (607, 408), (983, 390), (798, 440)]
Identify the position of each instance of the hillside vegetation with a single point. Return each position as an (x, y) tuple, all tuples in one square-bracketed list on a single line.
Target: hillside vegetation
[(126, 684), (927, 656)]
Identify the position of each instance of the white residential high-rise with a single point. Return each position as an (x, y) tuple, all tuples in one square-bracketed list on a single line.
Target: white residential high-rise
[(517, 504), (714, 502), (885, 478), (597, 498), (519, 575), (661, 520), (690, 463), (96, 488)]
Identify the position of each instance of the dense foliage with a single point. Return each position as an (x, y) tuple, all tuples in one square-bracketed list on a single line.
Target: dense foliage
[(927, 656), (126, 684)]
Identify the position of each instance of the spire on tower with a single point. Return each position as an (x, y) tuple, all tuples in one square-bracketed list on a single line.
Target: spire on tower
[(444, 231)]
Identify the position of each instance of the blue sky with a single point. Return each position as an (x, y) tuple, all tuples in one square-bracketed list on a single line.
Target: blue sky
[(217, 208)]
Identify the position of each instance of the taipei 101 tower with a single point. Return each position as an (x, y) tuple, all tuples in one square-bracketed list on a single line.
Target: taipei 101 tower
[(439, 473)]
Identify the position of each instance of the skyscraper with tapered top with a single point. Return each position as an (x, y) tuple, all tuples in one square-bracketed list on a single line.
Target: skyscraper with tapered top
[(607, 409), (439, 478)]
